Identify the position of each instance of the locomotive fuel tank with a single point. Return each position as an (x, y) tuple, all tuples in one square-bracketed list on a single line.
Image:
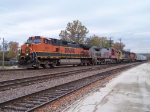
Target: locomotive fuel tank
[(70, 61)]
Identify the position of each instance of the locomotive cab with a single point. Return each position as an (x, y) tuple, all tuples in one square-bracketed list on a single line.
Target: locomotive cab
[(28, 56)]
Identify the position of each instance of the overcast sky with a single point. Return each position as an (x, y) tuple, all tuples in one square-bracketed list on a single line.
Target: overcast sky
[(125, 19)]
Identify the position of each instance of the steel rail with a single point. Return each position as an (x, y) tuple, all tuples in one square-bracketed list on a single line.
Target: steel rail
[(35, 100), (9, 84)]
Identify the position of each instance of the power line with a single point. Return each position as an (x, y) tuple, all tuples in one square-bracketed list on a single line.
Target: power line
[(9, 19)]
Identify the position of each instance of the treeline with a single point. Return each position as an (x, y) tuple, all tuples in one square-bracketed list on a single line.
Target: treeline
[(10, 52), (76, 32)]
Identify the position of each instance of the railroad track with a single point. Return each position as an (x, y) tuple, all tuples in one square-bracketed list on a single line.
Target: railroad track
[(23, 69), (36, 69), (16, 83), (35, 100)]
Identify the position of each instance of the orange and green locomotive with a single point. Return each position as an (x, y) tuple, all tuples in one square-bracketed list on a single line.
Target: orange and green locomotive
[(41, 51)]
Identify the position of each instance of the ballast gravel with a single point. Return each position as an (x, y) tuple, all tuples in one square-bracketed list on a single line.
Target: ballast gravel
[(11, 75), (14, 93), (61, 104)]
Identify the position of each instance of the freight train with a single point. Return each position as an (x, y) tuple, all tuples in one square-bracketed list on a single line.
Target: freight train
[(44, 52)]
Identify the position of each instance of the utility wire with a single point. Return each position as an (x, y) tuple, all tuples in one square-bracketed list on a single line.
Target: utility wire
[(19, 17)]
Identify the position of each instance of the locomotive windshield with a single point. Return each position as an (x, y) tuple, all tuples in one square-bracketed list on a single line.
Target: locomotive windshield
[(34, 41), (29, 41), (37, 41)]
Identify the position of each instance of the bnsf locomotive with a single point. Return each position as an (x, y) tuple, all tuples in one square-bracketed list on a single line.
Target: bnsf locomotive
[(40, 51)]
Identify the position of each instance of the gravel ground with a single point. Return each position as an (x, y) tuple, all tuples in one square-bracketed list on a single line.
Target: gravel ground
[(11, 75), (64, 102), (40, 86), (13, 93)]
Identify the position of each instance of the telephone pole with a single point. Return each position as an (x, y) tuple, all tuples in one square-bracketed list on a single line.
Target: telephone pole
[(3, 54), (120, 43), (110, 41), (78, 38)]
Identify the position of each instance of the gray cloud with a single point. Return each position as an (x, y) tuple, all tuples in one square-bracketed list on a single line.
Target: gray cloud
[(127, 19)]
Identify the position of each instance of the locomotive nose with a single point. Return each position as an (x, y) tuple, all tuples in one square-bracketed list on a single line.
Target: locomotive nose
[(27, 50)]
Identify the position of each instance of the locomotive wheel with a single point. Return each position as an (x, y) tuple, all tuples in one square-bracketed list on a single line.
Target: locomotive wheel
[(51, 66), (43, 66), (36, 67)]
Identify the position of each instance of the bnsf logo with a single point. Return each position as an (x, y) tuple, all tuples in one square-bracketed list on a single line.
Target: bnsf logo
[(69, 50)]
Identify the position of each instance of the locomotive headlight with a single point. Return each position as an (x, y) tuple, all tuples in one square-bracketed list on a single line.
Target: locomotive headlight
[(27, 50), (27, 54)]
